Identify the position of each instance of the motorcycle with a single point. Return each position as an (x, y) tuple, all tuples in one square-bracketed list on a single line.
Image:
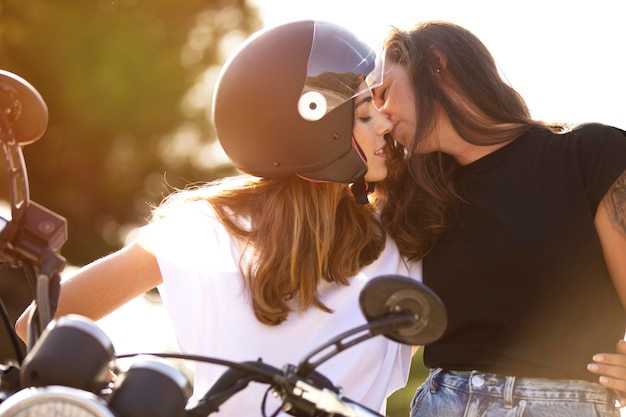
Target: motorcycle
[(68, 362)]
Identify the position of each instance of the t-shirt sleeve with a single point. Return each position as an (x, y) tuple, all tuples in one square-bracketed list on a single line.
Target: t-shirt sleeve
[(602, 156), (195, 256)]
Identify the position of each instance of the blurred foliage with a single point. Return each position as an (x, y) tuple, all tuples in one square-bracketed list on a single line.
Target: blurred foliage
[(399, 403), (128, 86)]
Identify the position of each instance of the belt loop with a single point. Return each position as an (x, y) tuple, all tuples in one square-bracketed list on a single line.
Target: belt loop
[(433, 379), (508, 391)]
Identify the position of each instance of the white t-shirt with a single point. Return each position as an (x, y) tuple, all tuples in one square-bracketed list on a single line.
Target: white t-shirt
[(212, 316)]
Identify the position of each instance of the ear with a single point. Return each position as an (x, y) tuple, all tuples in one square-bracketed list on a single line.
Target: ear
[(439, 59)]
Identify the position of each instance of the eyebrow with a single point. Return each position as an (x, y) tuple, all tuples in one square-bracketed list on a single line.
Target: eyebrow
[(362, 100)]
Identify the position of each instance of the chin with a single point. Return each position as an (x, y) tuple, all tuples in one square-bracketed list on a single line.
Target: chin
[(376, 177)]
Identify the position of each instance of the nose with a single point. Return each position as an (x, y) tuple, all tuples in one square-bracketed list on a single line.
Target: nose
[(383, 124)]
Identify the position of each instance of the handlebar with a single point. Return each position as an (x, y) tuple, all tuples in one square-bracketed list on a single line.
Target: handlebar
[(54, 374), (330, 402), (73, 352)]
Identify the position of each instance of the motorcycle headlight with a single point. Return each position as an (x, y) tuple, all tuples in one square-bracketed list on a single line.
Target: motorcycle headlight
[(54, 401)]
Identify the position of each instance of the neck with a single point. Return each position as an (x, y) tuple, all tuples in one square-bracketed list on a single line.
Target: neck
[(452, 143)]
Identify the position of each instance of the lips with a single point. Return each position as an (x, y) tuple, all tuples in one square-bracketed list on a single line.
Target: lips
[(396, 135), (381, 151)]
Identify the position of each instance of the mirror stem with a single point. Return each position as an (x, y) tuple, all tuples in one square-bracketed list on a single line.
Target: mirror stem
[(371, 329)]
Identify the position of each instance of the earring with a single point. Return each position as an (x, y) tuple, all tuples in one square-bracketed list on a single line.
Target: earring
[(438, 71)]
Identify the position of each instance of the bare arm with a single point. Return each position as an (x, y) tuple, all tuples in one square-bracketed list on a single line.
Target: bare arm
[(611, 226), (104, 285)]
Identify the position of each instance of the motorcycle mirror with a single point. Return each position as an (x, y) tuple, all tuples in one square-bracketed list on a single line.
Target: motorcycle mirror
[(23, 107), (387, 295)]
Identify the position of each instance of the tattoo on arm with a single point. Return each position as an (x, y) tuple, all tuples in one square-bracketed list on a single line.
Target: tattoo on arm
[(616, 204)]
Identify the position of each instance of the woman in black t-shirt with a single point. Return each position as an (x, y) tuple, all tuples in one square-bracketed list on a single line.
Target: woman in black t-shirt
[(521, 226)]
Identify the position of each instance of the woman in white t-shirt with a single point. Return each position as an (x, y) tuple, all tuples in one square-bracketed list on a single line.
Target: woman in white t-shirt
[(270, 264)]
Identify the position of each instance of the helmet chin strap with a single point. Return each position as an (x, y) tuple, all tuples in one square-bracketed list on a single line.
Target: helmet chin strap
[(360, 190)]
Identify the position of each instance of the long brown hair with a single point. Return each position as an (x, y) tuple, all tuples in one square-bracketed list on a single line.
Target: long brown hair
[(299, 233), (450, 68)]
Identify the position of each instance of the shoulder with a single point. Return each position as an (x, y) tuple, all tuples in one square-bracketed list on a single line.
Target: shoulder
[(190, 237), (597, 146), (600, 156), (597, 132), (184, 222), (190, 211)]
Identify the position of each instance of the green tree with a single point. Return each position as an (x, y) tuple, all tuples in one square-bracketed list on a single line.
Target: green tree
[(128, 87)]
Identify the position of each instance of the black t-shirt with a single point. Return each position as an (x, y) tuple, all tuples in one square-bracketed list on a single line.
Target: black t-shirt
[(522, 273)]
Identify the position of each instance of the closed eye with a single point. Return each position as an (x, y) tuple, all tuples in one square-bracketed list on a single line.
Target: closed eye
[(361, 110), (380, 95)]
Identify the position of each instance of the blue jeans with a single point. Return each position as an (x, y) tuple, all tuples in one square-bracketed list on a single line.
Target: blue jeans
[(475, 394)]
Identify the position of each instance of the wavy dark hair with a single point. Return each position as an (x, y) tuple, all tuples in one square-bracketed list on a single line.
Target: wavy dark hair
[(450, 68)]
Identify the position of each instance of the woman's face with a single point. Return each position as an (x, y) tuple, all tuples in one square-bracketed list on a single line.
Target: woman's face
[(395, 99), (370, 127)]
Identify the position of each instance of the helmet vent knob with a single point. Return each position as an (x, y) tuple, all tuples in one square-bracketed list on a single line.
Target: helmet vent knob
[(312, 106)]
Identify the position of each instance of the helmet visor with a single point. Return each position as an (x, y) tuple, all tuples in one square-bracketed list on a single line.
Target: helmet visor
[(338, 65)]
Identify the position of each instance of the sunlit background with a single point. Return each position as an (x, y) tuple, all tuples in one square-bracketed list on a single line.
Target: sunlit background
[(567, 58), (128, 85)]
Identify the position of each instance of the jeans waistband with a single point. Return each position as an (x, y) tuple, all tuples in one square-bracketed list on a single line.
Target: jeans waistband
[(510, 387)]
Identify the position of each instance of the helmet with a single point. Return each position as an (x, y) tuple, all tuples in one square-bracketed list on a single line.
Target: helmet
[(283, 102)]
